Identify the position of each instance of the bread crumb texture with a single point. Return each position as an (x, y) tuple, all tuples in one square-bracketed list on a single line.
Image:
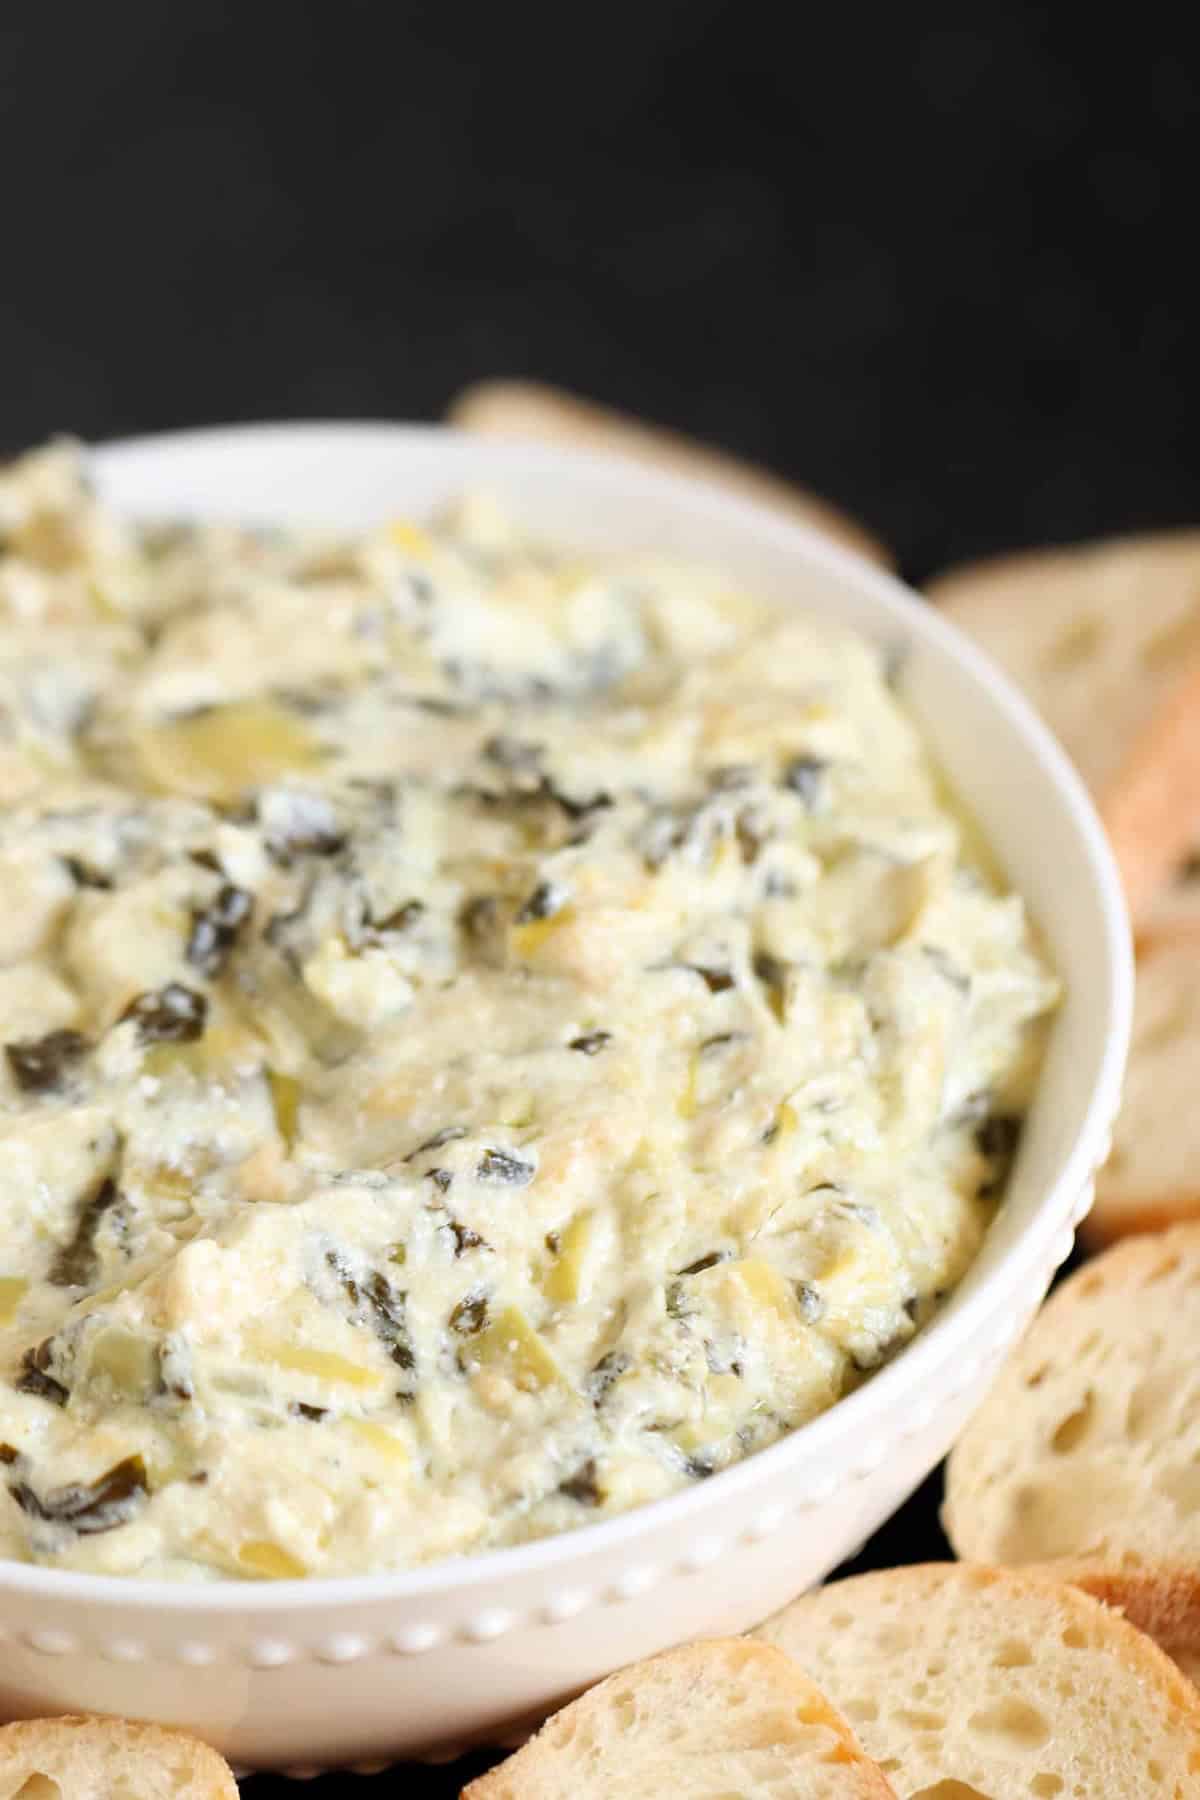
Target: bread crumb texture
[(972, 1683)]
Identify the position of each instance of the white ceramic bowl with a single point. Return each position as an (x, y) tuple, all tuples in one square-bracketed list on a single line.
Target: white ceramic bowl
[(339, 1671)]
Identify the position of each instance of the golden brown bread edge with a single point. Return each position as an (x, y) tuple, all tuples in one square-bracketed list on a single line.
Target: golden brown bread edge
[(535, 412)]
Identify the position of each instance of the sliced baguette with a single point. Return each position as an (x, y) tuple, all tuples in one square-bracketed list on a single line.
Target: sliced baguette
[(1105, 640), (1152, 1177), (968, 1683), (1087, 1450), (527, 409), (708, 1721), (108, 1759)]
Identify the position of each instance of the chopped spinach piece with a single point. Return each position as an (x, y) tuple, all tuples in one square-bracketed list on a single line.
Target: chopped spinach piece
[(717, 981), (75, 1264), (207, 859), (546, 899), (35, 1377), (803, 777), (479, 917), (772, 973), (40, 1065), (470, 1315), (512, 753), (175, 1368), (677, 1302), (750, 834), (216, 929), (706, 1262), (170, 1015), (499, 1166), (302, 1410), (449, 1134), (997, 1138), (101, 1505), (607, 1371), (813, 1305), (84, 875), (465, 1239), (574, 809), (384, 1305), (402, 919), (583, 1485), (591, 1042)]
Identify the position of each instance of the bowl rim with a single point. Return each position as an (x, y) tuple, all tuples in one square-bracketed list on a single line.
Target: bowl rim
[(864, 1411)]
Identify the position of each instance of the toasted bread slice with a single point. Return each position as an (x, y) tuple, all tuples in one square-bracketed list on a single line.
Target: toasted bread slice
[(705, 1722), (108, 1759), (969, 1683), (1087, 1450), (1105, 640), (527, 409), (1152, 1177)]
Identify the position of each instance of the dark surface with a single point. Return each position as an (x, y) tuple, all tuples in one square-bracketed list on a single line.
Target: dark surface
[(937, 261)]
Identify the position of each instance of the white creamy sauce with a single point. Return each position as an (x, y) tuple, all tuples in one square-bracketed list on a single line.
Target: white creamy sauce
[(489, 1039)]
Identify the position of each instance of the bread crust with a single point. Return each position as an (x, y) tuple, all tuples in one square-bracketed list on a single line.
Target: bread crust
[(1126, 1201), (1152, 809), (529, 409), (1105, 637)]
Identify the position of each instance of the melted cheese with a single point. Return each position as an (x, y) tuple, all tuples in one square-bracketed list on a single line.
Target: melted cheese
[(489, 1040)]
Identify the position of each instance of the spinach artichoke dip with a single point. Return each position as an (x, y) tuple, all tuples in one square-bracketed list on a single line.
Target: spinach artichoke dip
[(488, 1039)]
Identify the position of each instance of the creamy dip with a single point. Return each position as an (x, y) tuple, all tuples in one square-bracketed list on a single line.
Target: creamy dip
[(489, 1038)]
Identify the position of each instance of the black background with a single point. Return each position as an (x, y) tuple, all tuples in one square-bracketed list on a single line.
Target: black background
[(938, 261)]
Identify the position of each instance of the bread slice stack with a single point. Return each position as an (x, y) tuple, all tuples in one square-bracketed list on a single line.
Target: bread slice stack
[(1105, 640), (972, 1683), (108, 1759), (709, 1721)]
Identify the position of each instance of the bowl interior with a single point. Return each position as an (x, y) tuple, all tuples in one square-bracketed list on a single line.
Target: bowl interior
[(1015, 781)]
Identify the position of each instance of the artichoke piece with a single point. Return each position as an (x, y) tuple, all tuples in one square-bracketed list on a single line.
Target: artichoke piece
[(227, 751), (511, 1346), (526, 938), (266, 1561), (324, 1365), (766, 1287), (288, 1017), (13, 1289), (378, 1438), (564, 1280), (285, 1102), (125, 1360)]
